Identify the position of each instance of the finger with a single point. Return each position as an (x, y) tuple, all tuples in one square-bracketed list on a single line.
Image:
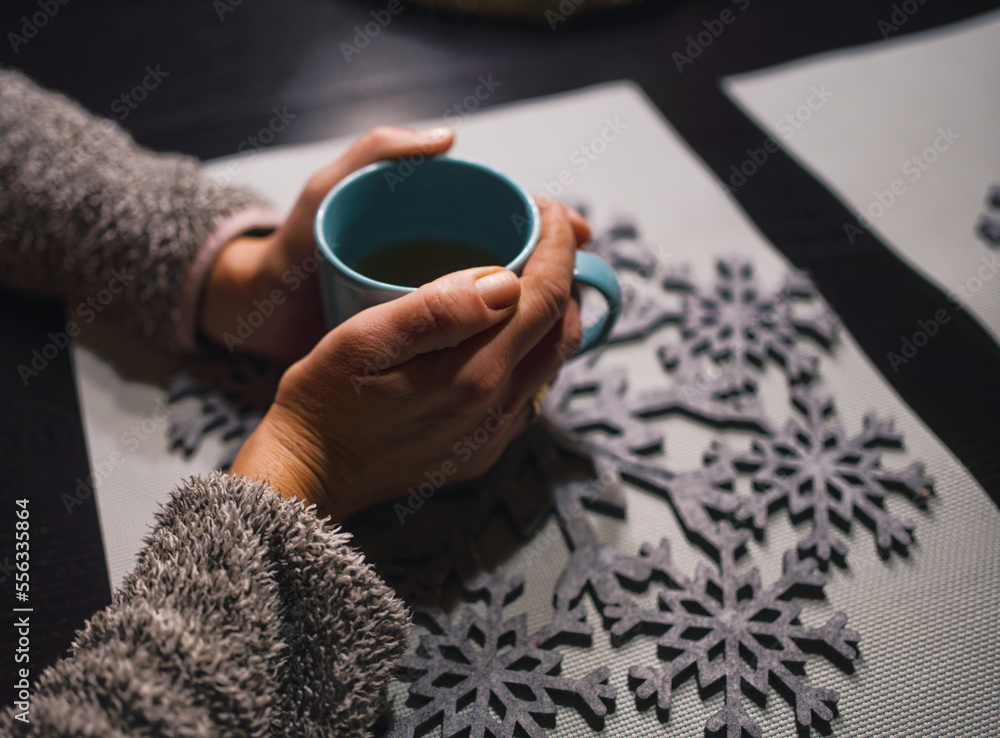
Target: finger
[(540, 367), (441, 314), (581, 228), (383, 142), (546, 286)]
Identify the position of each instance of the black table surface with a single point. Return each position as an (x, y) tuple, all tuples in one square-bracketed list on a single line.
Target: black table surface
[(231, 62)]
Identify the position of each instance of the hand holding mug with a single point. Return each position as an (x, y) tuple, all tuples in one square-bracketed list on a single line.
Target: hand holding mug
[(248, 270), (415, 383), (460, 358)]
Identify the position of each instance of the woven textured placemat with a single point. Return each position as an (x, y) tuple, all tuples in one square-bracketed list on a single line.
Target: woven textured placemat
[(904, 132), (927, 621)]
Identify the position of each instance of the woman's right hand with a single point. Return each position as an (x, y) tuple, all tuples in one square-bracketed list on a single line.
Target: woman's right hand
[(429, 388)]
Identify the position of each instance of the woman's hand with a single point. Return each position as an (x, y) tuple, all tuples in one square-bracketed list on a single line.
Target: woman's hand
[(427, 389), (251, 269)]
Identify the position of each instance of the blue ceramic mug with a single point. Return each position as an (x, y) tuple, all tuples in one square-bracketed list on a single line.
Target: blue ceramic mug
[(442, 200)]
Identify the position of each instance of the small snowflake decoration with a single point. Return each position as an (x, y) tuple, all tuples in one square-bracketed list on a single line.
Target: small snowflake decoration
[(234, 398), (487, 676), (822, 474), (736, 322), (637, 264), (736, 635), (989, 224)]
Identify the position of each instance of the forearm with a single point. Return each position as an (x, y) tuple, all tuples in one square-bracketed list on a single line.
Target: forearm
[(245, 615), (114, 229)]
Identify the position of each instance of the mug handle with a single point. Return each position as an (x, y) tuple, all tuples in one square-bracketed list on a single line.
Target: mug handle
[(594, 272)]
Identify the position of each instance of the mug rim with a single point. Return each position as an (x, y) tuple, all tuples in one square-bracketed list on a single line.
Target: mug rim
[(531, 239)]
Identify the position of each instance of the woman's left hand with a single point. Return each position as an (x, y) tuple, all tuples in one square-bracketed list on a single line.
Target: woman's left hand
[(279, 271)]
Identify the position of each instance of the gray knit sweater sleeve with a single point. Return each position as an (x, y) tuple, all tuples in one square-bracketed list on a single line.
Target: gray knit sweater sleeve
[(87, 215), (245, 616)]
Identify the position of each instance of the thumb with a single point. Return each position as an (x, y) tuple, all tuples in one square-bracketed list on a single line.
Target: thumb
[(441, 314)]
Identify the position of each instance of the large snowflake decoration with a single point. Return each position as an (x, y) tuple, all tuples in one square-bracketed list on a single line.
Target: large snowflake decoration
[(586, 401), (824, 475), (486, 675), (736, 634), (698, 498), (728, 333), (736, 322)]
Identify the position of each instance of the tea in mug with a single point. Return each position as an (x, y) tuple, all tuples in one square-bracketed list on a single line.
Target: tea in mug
[(414, 262)]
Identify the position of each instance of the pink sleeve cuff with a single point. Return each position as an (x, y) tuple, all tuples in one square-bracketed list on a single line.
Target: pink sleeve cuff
[(228, 228)]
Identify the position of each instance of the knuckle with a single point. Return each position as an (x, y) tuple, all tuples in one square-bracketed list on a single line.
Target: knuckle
[(377, 139), (358, 354), (555, 295), (573, 340), (316, 185), (443, 308), (476, 390)]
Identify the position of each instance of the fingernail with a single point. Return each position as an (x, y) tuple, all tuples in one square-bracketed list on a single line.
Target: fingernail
[(436, 134), (499, 290)]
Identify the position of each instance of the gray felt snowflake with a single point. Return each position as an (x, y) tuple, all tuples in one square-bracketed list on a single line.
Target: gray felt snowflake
[(486, 675), (989, 224), (728, 333), (735, 321), (638, 265), (736, 634), (585, 400), (234, 397), (820, 473), (698, 498)]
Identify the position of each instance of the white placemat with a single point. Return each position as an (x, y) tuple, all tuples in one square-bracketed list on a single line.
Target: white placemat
[(927, 622), (905, 133)]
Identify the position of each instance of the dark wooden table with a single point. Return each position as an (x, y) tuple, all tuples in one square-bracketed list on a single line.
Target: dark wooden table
[(227, 64)]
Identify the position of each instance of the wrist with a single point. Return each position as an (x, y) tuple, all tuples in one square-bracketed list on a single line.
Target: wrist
[(241, 274), (293, 463)]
